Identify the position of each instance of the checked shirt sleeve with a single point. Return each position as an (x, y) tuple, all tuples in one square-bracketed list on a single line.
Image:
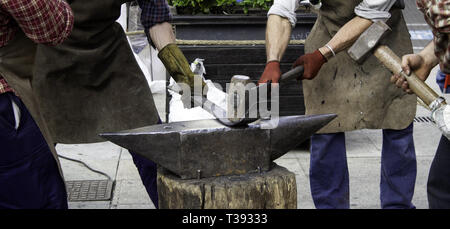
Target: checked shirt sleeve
[(154, 12), (437, 15), (43, 21)]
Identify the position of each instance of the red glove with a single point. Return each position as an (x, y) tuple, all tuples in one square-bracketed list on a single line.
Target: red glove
[(272, 73), (312, 62)]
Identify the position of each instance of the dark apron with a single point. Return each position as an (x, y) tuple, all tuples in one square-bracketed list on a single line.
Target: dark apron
[(361, 95), (31, 176), (92, 83)]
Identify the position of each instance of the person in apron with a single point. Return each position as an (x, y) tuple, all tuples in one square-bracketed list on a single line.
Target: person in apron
[(437, 15), (92, 84), (361, 95), (30, 175)]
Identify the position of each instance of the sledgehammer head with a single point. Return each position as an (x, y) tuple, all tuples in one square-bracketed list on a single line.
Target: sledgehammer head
[(368, 40)]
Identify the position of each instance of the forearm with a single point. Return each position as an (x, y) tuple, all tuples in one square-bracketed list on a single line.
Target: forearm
[(156, 18), (346, 36), (162, 35), (278, 34), (429, 58)]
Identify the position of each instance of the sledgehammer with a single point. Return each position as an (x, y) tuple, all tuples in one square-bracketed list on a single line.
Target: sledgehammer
[(368, 42), (243, 102)]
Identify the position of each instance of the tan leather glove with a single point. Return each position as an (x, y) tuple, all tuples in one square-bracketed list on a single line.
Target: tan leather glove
[(178, 67)]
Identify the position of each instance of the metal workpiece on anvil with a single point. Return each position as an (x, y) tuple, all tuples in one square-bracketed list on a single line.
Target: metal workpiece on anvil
[(206, 148)]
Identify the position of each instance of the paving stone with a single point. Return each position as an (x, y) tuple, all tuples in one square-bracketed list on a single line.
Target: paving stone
[(90, 205), (130, 192)]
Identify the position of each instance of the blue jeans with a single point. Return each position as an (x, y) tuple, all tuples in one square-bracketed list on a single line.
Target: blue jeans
[(148, 172), (329, 177), (438, 186), (29, 174)]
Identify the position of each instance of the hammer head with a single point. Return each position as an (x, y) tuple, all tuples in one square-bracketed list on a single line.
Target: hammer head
[(236, 97), (242, 102), (368, 40)]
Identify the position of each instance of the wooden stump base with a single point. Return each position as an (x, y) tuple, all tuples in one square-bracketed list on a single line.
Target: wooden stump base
[(275, 189)]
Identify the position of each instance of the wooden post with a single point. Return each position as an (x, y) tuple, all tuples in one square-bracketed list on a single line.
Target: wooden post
[(275, 189)]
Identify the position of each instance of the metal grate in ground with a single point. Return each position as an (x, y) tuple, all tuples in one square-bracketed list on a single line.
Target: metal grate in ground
[(89, 190), (423, 119)]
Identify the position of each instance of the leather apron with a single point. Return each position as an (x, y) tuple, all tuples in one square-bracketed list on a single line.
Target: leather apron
[(361, 95), (16, 66), (91, 83)]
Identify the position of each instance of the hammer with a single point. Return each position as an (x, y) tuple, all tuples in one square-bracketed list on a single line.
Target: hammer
[(245, 99), (368, 42)]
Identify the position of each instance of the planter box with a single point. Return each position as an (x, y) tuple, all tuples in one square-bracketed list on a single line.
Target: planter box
[(224, 61)]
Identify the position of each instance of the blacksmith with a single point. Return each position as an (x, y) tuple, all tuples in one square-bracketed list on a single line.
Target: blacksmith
[(361, 95), (92, 84), (30, 176)]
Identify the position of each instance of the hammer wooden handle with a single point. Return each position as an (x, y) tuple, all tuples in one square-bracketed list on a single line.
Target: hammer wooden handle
[(393, 63)]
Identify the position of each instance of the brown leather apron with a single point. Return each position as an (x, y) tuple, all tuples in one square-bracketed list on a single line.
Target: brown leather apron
[(361, 95), (16, 66), (92, 83)]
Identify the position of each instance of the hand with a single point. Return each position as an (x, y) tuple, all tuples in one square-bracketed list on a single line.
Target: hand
[(411, 62), (271, 73), (176, 64), (178, 67), (312, 62)]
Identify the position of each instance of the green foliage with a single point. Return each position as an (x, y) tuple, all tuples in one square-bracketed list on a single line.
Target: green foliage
[(219, 6)]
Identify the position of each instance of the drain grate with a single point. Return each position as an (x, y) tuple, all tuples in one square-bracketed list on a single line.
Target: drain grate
[(89, 190), (423, 119)]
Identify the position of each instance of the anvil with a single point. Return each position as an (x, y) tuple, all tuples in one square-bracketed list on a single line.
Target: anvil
[(207, 148)]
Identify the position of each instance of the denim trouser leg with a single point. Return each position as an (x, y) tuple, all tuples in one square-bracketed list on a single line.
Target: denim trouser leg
[(398, 168), (329, 177), (148, 171), (29, 174), (438, 186)]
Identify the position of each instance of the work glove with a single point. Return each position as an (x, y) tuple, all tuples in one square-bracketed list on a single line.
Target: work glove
[(271, 73), (312, 62), (178, 67)]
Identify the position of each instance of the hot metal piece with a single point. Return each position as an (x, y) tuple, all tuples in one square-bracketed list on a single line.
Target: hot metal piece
[(215, 149)]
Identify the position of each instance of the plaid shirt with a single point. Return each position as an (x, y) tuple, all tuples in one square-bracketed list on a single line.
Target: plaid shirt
[(437, 14), (43, 21), (153, 12)]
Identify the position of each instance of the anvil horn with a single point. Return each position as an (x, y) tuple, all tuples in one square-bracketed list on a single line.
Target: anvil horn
[(293, 131), (206, 148)]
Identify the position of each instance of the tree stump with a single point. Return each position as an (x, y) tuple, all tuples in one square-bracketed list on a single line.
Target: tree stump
[(274, 189)]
